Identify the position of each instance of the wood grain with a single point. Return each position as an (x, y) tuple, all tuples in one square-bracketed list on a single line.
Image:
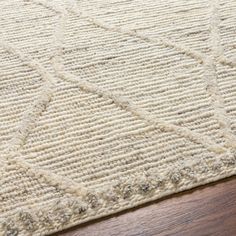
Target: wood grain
[(203, 211)]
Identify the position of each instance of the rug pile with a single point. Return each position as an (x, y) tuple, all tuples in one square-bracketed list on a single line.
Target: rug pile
[(109, 104)]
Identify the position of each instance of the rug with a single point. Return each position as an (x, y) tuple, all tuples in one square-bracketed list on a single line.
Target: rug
[(109, 104)]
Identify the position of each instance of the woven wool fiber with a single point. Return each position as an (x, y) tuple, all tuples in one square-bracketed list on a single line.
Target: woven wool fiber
[(109, 104)]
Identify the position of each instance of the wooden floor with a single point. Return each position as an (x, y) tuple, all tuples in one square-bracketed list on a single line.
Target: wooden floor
[(204, 211)]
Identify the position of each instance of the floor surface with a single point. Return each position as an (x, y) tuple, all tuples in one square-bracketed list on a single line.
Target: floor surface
[(204, 211)]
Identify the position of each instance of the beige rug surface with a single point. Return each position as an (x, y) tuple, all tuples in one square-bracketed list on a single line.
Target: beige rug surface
[(108, 104)]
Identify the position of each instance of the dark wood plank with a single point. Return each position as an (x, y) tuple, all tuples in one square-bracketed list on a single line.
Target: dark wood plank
[(203, 211)]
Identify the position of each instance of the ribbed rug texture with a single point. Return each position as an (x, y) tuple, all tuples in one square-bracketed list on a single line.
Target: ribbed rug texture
[(109, 104)]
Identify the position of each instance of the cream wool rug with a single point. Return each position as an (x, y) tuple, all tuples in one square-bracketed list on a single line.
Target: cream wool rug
[(108, 104)]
